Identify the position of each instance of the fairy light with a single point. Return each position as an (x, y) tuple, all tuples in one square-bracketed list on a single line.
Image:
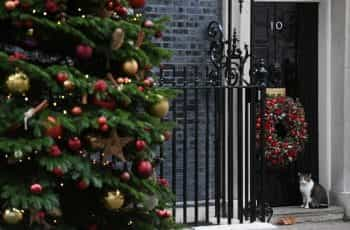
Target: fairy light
[(83, 16), (65, 112), (6, 156), (79, 9), (45, 13), (54, 104), (61, 184), (87, 76), (54, 221), (28, 158), (34, 11), (26, 99), (59, 23)]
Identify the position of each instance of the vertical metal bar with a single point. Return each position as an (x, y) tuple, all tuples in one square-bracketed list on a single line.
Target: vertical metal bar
[(252, 154), (217, 156), (247, 127), (230, 156), (262, 154), (184, 158), (240, 153), (196, 147), (207, 169), (174, 143), (223, 127)]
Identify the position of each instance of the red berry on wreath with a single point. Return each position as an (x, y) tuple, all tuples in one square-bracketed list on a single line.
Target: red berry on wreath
[(144, 169), (74, 144), (100, 86), (140, 145), (84, 52), (36, 188), (51, 6), (58, 171), (137, 3), (102, 120), (82, 185), (55, 151), (77, 110), (125, 176), (104, 128), (62, 77)]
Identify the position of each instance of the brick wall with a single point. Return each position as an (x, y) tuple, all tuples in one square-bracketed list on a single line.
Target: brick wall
[(186, 36)]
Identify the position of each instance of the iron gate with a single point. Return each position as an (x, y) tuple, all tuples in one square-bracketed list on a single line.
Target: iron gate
[(214, 161)]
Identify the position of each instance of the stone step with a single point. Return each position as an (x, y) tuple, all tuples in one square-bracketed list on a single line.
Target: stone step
[(333, 213)]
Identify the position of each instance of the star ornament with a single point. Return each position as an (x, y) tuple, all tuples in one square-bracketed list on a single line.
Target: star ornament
[(112, 145)]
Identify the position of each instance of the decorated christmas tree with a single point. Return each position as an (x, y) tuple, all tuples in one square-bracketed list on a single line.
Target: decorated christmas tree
[(81, 116)]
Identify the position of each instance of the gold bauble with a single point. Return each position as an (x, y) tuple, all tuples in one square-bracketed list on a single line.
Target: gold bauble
[(159, 109), (18, 83), (68, 85), (114, 200), (131, 67), (12, 216)]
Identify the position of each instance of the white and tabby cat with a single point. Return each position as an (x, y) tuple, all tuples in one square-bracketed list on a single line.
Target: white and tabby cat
[(314, 195)]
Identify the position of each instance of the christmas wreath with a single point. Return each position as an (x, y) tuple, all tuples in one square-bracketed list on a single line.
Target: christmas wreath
[(285, 130)]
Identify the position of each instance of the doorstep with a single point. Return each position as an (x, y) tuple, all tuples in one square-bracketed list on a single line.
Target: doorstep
[(302, 215)]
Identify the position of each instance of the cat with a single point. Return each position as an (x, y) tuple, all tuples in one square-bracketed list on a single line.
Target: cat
[(314, 195)]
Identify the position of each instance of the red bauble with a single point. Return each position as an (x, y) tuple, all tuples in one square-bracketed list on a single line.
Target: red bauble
[(147, 83), (36, 188), (140, 145), (74, 144), (10, 5), (164, 182), (104, 128), (163, 213), (144, 169), (102, 120), (148, 24), (62, 77), (53, 129), (110, 5), (107, 104), (84, 52), (121, 11), (125, 176), (58, 172), (76, 110), (55, 151), (51, 6), (82, 185), (40, 215), (92, 227), (100, 86), (137, 3), (141, 89)]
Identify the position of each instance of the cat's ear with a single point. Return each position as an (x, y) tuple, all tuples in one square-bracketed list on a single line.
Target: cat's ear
[(299, 174), (310, 175)]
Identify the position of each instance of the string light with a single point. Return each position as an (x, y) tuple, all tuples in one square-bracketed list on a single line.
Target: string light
[(26, 99), (34, 11), (65, 112), (61, 184), (45, 13), (54, 104), (87, 76)]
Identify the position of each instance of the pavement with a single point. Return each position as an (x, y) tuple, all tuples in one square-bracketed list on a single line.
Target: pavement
[(318, 226)]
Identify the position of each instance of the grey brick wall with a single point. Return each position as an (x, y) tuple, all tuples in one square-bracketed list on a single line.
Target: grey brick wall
[(186, 34), (187, 37)]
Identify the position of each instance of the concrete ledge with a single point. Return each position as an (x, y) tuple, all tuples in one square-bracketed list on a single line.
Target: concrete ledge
[(254, 226)]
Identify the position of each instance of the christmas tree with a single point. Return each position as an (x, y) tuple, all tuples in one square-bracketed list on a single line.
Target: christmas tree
[(81, 117)]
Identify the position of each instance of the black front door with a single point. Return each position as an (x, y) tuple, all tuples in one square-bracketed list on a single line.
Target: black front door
[(285, 35)]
